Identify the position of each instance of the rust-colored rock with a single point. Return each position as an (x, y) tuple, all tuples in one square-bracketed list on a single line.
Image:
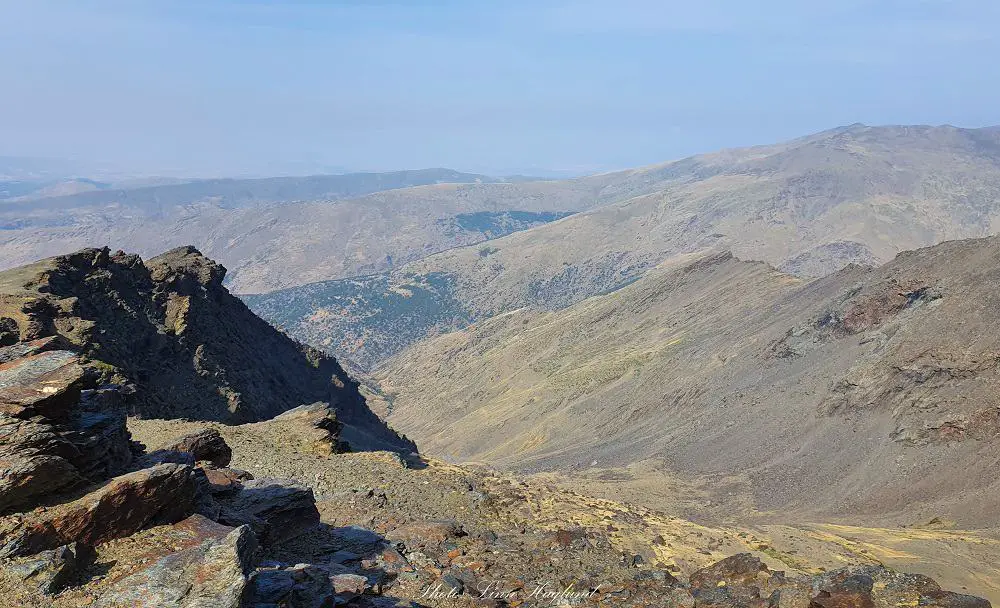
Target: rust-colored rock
[(212, 573), (127, 504), (222, 480)]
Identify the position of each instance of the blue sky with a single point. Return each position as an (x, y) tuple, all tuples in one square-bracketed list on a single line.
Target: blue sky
[(204, 86)]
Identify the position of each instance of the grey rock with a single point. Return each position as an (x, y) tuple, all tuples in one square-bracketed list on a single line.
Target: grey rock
[(48, 571)]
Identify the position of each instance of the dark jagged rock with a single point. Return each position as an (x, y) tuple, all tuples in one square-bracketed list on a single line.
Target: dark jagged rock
[(191, 348), (210, 574), (70, 445), (36, 461), (276, 509), (127, 504), (103, 441)]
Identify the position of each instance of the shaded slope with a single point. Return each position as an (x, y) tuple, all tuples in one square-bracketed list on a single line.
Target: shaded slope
[(191, 349), (868, 391)]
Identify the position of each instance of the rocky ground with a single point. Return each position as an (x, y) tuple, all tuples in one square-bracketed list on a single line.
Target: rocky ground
[(274, 514)]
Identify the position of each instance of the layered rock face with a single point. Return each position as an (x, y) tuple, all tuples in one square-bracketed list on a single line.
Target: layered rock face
[(53, 434), (169, 327)]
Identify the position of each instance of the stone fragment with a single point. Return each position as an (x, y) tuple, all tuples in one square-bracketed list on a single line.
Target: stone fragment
[(48, 571)]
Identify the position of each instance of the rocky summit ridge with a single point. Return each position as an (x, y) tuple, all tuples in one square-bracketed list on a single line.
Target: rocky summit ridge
[(262, 505), (185, 347)]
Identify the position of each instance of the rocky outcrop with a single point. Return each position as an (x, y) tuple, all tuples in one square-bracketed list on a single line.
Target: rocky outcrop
[(170, 327), (276, 509)]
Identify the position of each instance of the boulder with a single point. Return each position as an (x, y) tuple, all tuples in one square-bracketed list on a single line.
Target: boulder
[(206, 445), (276, 509), (210, 575), (46, 384), (424, 533), (127, 504), (739, 570), (738, 580), (103, 442)]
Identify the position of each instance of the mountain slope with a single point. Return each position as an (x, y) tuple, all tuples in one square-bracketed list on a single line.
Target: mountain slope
[(856, 194), (191, 349), (868, 391)]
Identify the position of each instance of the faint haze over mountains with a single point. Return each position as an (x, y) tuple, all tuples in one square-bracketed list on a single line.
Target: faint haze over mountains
[(267, 88)]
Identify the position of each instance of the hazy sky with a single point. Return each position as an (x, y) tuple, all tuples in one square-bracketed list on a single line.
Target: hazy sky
[(208, 86)]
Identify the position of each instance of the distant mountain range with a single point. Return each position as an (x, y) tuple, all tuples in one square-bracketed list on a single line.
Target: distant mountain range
[(272, 232), (855, 194)]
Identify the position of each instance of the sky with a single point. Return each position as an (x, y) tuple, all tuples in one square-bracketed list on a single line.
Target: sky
[(270, 87)]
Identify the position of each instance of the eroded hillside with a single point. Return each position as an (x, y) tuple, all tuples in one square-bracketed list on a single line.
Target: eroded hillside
[(866, 392)]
